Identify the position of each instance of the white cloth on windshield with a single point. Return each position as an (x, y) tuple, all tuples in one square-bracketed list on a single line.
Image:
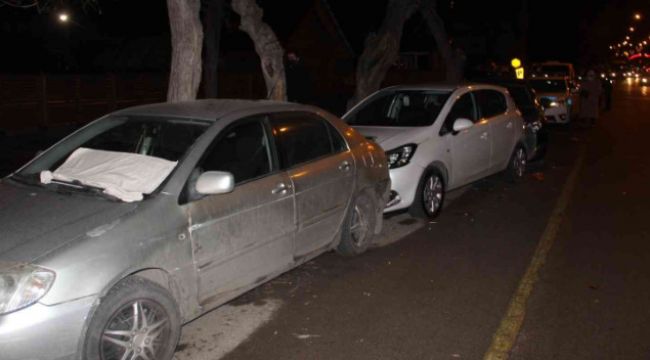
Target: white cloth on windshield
[(127, 176)]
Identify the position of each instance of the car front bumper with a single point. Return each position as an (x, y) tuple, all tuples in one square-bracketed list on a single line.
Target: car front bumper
[(42, 332), (404, 184)]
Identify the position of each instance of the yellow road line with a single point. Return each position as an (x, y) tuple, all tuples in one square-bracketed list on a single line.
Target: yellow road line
[(506, 335)]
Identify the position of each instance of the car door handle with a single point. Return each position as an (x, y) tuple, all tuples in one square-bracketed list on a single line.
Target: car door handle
[(484, 136), (345, 166), (281, 189)]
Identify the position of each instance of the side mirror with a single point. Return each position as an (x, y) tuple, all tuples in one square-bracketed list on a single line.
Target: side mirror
[(462, 124), (215, 182)]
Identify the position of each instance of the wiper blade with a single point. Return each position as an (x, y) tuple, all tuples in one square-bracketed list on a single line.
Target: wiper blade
[(80, 187), (25, 180)]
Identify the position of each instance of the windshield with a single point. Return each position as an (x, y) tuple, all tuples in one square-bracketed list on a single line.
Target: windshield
[(402, 108), (164, 139), (549, 85), (553, 70)]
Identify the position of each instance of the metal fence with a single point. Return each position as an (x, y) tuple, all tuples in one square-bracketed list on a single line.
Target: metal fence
[(30, 102), (42, 101)]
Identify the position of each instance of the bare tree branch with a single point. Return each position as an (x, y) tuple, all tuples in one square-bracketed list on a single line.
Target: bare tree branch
[(267, 47), (381, 49), (453, 64)]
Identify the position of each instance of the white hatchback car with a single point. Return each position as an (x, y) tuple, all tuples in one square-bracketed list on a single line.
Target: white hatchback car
[(557, 98), (441, 137)]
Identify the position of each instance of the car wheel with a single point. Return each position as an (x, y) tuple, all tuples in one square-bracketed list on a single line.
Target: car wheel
[(136, 320), (517, 164), (430, 196), (358, 227)]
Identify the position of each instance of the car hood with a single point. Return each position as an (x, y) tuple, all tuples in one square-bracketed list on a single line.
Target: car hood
[(36, 221), (390, 138)]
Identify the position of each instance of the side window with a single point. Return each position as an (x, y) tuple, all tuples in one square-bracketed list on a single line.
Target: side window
[(242, 150), (491, 102), (300, 138), (338, 144), (463, 108)]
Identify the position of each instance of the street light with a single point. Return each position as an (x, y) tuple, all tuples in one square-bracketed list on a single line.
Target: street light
[(637, 16), (64, 17), (631, 28)]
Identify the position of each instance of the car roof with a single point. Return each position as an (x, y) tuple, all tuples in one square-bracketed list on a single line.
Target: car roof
[(439, 86), (211, 109), (549, 78)]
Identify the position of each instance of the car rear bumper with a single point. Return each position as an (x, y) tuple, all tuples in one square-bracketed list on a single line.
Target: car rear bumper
[(42, 332), (559, 114)]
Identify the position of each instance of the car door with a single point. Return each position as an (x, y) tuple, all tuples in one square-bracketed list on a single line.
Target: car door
[(470, 148), (493, 106), (242, 237), (322, 170)]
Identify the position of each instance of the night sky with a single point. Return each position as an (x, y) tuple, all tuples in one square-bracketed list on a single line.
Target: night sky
[(561, 30)]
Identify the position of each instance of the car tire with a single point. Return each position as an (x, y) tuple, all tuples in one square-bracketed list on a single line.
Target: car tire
[(135, 316), (516, 169), (357, 231), (430, 196)]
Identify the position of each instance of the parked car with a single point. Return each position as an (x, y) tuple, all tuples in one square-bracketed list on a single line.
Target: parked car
[(554, 69), (153, 215), (440, 137), (557, 98), (536, 130)]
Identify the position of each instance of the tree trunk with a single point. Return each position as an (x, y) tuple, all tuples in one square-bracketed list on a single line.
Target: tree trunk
[(381, 49), (453, 64), (212, 23), (267, 47), (187, 40)]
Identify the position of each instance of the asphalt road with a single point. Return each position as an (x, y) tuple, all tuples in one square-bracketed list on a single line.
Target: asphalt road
[(441, 290)]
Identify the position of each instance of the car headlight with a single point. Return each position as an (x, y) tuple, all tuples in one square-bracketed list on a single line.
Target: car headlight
[(400, 156), (22, 285)]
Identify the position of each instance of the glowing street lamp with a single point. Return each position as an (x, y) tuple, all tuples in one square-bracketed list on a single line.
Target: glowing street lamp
[(64, 17), (637, 16), (631, 29)]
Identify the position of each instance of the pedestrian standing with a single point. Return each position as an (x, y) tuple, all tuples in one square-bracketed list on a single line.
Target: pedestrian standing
[(607, 93), (590, 91)]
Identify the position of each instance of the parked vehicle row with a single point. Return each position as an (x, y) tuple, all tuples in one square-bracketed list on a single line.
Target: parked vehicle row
[(153, 215)]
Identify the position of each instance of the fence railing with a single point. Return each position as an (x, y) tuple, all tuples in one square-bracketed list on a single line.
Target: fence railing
[(41, 101)]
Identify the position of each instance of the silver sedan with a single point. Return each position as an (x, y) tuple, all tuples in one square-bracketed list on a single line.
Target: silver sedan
[(149, 217)]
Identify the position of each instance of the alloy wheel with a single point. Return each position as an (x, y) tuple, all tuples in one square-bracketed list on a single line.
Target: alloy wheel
[(432, 194), (137, 331), (519, 162)]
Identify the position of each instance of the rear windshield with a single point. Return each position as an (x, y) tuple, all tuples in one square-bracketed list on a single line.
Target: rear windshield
[(408, 108), (553, 70), (549, 85)]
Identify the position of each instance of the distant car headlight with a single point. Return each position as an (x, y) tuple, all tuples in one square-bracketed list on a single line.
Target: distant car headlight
[(400, 156), (22, 285)]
